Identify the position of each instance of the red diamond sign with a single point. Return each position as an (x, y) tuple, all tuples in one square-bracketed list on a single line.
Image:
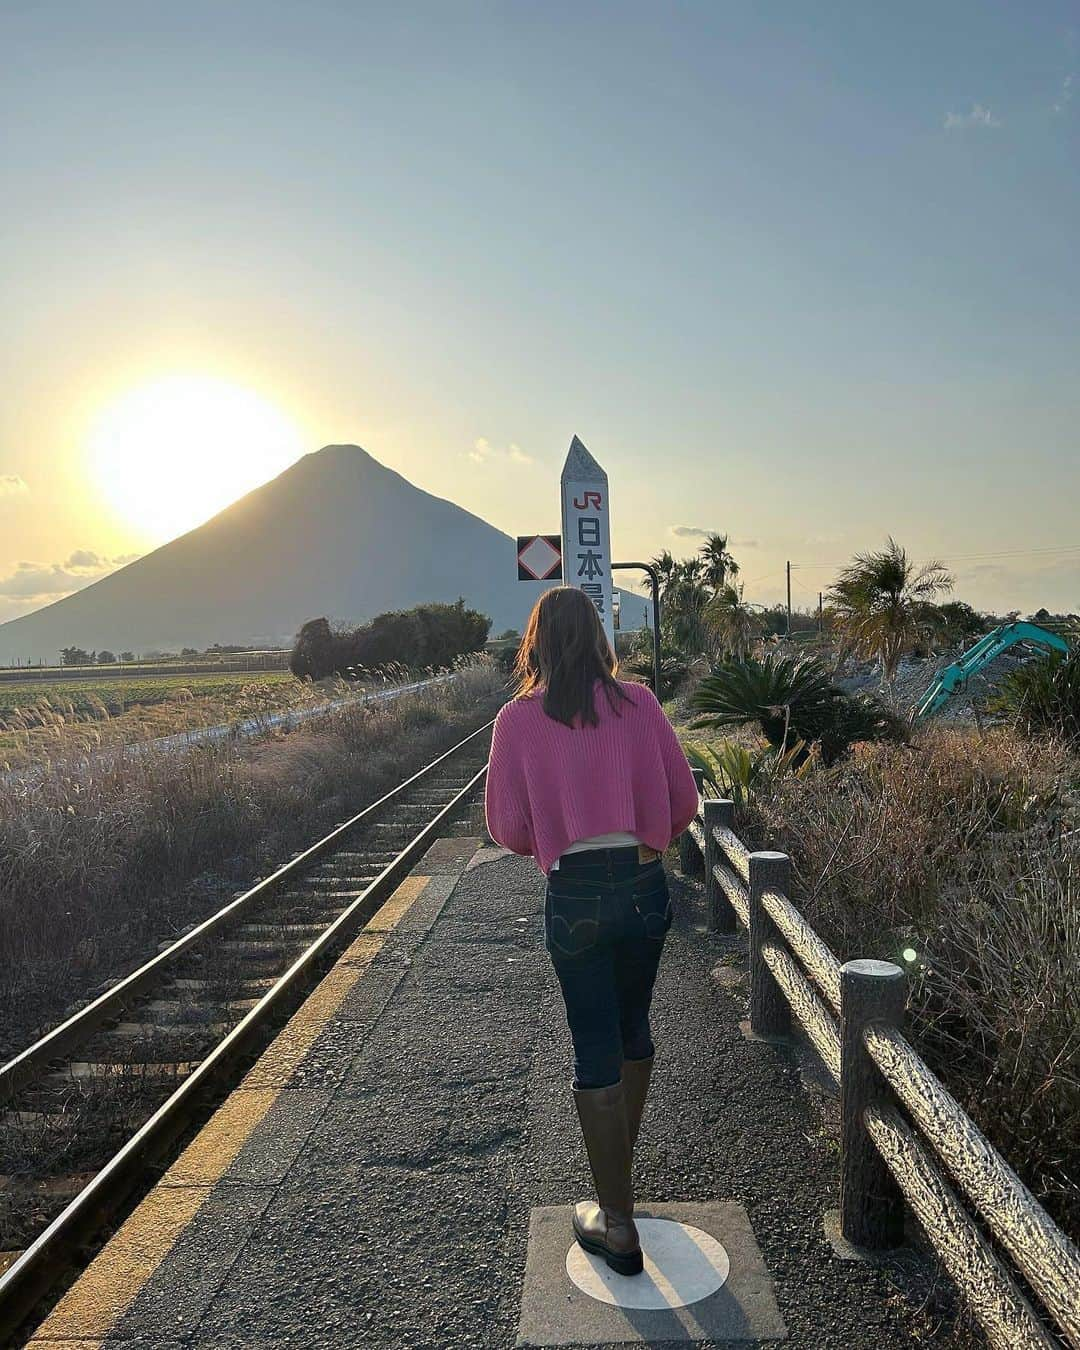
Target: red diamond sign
[(539, 557)]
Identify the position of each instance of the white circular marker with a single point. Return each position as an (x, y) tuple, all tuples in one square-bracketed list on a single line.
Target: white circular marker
[(683, 1265)]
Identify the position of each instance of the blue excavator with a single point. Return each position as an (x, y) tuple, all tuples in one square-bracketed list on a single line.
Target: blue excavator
[(953, 679)]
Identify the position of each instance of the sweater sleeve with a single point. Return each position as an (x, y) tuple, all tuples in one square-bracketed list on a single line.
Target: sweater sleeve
[(682, 790), (505, 803)]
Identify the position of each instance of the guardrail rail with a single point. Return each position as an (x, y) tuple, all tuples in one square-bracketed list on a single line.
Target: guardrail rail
[(903, 1137)]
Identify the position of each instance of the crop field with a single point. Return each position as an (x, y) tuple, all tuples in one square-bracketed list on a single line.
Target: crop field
[(118, 693), (79, 716)]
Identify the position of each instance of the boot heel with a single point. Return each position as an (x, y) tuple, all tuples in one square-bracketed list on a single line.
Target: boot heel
[(628, 1263)]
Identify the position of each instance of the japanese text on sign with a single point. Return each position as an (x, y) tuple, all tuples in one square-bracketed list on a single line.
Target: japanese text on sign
[(587, 546)]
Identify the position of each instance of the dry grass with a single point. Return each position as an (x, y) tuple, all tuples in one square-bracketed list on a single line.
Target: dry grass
[(100, 861), (42, 723), (967, 851)]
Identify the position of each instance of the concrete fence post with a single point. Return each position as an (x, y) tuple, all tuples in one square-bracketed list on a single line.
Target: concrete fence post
[(721, 913), (769, 1011), (691, 863), (871, 1206)]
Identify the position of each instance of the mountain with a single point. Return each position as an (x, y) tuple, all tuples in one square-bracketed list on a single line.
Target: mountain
[(337, 533)]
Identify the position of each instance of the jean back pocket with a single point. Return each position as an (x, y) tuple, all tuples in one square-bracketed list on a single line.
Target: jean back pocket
[(571, 924)]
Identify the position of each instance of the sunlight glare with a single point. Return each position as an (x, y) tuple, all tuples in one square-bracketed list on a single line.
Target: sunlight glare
[(172, 453)]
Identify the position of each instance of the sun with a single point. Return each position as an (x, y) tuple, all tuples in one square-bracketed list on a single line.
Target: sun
[(172, 453)]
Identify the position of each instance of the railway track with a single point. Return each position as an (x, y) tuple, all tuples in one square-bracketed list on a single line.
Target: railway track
[(86, 1109)]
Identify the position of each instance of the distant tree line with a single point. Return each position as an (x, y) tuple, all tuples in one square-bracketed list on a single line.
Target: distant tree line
[(79, 656), (427, 636)]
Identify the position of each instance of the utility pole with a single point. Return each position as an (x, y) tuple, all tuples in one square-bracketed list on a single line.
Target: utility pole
[(789, 598), (820, 616)]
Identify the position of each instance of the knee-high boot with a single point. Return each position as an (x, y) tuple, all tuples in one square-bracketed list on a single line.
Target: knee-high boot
[(636, 1076), (607, 1229)]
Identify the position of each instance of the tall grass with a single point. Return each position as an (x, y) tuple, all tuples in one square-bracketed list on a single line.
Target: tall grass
[(965, 852), (100, 860)]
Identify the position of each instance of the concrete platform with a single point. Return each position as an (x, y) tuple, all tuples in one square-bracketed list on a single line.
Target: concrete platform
[(395, 1171), (554, 1311)]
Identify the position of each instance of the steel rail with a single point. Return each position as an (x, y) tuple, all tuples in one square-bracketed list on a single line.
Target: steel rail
[(37, 1269), (32, 1061)]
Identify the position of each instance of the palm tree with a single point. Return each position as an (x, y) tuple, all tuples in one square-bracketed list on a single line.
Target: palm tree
[(882, 604), (733, 623), (686, 597), (719, 564), (664, 564)]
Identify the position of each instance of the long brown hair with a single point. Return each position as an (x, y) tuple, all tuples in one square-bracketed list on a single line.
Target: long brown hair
[(565, 651)]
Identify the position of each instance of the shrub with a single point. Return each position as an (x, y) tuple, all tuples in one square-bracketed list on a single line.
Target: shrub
[(967, 852), (314, 651), (791, 698), (1042, 697), (426, 637), (673, 667), (738, 772)]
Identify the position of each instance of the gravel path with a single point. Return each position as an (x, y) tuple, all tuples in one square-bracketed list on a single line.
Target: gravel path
[(389, 1205)]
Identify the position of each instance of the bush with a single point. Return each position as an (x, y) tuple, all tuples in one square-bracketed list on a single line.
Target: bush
[(966, 853), (673, 668), (792, 698), (314, 653), (426, 637), (738, 772), (1042, 697)]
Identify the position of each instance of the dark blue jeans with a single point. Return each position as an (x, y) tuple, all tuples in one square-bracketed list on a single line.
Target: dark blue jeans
[(605, 919)]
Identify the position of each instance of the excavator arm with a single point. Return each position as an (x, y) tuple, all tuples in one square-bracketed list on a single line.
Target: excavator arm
[(953, 679)]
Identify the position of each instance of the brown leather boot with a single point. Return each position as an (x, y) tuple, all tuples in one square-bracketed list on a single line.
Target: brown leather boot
[(636, 1074), (607, 1229)]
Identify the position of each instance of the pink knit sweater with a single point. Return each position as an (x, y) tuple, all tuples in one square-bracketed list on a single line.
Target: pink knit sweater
[(549, 785)]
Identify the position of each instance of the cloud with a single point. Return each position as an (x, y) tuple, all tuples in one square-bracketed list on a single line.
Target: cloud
[(696, 532), (45, 582), (41, 581), (977, 117), (1065, 94), (84, 557), (483, 452), (11, 485)]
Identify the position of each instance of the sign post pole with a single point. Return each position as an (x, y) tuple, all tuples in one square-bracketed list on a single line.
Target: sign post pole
[(586, 532)]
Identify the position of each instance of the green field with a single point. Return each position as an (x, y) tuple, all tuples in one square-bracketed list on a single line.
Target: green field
[(87, 698), (42, 719)]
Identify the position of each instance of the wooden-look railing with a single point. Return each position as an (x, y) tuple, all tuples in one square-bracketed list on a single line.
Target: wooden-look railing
[(903, 1136)]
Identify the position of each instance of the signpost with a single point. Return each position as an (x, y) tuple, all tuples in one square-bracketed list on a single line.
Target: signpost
[(586, 531), (582, 557)]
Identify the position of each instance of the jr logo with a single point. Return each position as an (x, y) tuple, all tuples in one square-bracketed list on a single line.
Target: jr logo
[(591, 499)]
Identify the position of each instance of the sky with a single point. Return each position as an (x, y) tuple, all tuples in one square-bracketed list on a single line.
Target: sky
[(803, 274)]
